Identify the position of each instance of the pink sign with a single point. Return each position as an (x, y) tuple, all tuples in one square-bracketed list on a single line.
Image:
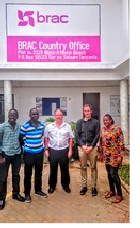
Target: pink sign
[(53, 49)]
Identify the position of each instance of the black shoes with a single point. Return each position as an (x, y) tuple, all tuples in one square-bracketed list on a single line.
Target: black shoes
[(2, 204), (93, 192), (41, 194), (68, 190), (51, 190), (83, 191), (27, 198), (18, 197)]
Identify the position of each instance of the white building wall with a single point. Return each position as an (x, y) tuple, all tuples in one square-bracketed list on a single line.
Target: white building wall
[(25, 99), (125, 26)]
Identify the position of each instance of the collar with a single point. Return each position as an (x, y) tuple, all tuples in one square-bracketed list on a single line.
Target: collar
[(54, 123), (38, 122), (9, 125), (87, 120)]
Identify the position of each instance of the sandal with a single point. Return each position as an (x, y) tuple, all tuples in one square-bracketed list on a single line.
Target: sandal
[(118, 199), (110, 194)]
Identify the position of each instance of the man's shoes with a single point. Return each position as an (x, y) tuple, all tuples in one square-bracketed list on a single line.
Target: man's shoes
[(68, 190), (41, 194), (93, 192), (27, 198), (83, 191), (18, 197), (51, 190), (2, 204)]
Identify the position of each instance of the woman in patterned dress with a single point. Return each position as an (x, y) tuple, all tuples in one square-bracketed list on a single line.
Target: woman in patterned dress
[(111, 151)]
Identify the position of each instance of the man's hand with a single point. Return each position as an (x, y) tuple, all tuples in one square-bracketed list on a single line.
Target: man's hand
[(46, 153), (87, 149), (69, 154)]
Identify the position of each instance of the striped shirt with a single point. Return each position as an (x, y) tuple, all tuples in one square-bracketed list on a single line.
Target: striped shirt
[(33, 137), (10, 138)]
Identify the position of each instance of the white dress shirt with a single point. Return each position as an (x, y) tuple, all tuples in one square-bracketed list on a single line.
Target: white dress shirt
[(58, 137)]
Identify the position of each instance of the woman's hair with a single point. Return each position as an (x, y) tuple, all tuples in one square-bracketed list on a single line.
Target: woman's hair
[(109, 117)]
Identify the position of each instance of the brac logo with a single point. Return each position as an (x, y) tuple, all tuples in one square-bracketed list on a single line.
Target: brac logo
[(26, 18), (32, 18)]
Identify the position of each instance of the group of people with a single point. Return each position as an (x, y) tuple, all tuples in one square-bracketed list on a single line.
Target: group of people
[(35, 140)]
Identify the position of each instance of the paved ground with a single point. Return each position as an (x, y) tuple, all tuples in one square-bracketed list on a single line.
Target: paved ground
[(61, 207)]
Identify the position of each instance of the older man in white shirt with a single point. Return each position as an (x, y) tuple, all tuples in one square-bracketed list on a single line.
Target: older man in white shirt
[(59, 138)]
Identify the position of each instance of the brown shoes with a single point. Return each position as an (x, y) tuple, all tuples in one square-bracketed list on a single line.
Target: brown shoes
[(110, 194), (117, 199)]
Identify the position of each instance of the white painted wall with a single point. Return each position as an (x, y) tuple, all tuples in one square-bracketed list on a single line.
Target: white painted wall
[(74, 96), (25, 94), (125, 26), (25, 99)]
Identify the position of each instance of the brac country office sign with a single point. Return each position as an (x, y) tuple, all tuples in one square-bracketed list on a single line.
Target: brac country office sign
[(53, 33)]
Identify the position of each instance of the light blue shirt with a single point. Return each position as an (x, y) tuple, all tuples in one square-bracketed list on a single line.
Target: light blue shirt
[(10, 138)]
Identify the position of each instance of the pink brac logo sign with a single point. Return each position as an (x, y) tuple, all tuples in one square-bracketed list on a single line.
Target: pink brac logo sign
[(34, 17), (26, 18)]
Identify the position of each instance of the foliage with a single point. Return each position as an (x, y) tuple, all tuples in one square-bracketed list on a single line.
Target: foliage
[(124, 172), (73, 126), (50, 120)]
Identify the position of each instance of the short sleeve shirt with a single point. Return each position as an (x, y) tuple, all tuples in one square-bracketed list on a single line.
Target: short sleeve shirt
[(58, 137), (33, 137)]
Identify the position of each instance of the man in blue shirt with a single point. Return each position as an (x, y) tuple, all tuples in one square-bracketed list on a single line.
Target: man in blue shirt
[(31, 135), (11, 151)]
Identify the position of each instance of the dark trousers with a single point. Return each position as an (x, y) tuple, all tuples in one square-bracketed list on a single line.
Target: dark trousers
[(3, 181), (15, 162), (114, 180), (31, 160), (59, 157)]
